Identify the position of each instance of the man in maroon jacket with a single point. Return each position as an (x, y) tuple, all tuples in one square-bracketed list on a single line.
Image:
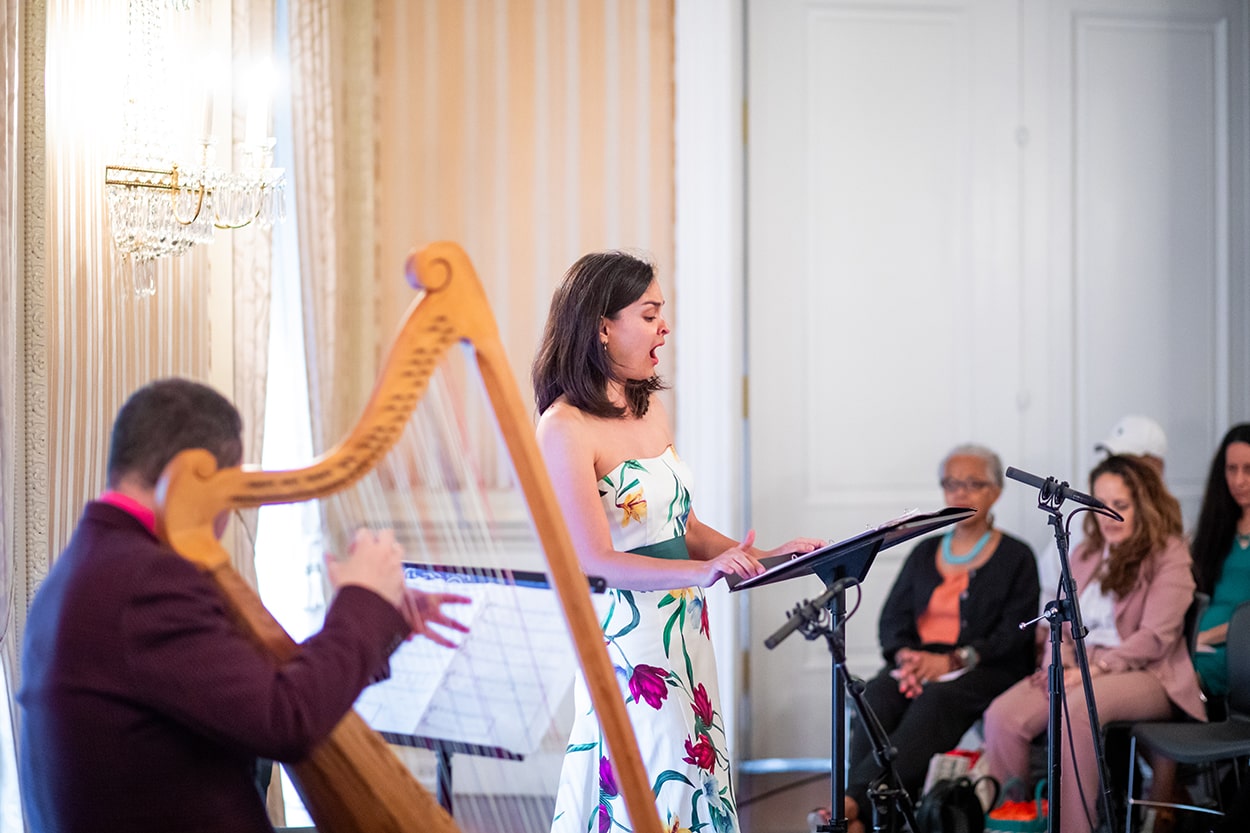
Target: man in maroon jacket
[(144, 708)]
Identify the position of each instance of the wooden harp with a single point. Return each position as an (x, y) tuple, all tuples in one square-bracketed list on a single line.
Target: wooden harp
[(353, 782)]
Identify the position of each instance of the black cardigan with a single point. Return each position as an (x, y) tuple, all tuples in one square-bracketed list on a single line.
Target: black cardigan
[(1001, 594)]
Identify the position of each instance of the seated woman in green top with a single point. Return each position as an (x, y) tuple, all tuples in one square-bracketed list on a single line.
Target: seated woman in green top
[(1221, 551)]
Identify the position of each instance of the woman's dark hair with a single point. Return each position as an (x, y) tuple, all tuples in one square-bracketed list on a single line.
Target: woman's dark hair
[(571, 361), (1217, 520), (1157, 517), (166, 417)]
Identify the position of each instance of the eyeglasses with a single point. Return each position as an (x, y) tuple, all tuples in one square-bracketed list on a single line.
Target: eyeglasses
[(950, 484)]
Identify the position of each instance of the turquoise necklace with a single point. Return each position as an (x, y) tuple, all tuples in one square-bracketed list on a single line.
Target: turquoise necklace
[(951, 558)]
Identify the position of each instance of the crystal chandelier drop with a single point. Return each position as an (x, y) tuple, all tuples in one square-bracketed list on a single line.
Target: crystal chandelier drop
[(161, 206)]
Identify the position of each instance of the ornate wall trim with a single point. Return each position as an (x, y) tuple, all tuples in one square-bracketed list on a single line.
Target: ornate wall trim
[(31, 562)]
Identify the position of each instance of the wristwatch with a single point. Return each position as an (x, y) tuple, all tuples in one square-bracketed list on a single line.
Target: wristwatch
[(967, 656)]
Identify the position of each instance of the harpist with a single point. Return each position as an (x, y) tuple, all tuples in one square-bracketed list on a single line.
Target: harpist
[(144, 707)]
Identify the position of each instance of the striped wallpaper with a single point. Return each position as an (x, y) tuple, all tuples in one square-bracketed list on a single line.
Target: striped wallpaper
[(529, 131)]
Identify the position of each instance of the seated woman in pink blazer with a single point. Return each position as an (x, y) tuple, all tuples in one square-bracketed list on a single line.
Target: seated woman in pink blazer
[(1134, 583)]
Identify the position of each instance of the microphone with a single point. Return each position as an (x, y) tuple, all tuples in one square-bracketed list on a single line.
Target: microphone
[(1051, 489), (808, 612)]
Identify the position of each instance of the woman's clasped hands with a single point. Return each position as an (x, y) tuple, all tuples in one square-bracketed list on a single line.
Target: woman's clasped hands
[(917, 668)]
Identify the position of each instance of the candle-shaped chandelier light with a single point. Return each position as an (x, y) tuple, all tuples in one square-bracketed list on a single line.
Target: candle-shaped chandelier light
[(160, 205)]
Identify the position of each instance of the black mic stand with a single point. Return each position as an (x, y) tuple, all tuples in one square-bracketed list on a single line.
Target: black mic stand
[(818, 618), (1067, 608), (839, 565)]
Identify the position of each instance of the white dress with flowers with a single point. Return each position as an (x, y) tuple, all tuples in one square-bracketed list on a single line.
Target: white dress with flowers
[(659, 643)]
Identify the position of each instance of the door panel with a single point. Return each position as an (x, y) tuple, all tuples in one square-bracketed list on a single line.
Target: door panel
[(879, 174), (974, 221)]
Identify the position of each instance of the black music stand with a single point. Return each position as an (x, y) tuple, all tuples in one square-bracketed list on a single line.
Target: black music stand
[(848, 559), (483, 743)]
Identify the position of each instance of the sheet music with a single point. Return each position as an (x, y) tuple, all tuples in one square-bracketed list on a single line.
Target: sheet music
[(892, 522), (499, 688)]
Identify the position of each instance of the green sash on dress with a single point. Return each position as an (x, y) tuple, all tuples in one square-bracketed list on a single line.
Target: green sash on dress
[(674, 549)]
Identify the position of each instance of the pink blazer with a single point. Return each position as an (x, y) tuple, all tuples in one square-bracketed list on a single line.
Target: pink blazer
[(1151, 621)]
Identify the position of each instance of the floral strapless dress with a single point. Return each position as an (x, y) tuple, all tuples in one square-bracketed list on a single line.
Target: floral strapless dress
[(660, 645)]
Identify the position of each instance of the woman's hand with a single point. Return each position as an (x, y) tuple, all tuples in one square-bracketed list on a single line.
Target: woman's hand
[(422, 609), (796, 546), (909, 685), (1072, 675), (917, 668), (736, 560), (1217, 635)]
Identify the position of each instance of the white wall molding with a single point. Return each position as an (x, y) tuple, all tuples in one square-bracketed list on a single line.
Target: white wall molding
[(708, 331)]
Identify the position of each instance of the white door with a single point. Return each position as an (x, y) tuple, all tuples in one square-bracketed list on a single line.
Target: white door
[(973, 221)]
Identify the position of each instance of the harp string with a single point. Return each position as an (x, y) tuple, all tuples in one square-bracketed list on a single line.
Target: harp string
[(456, 509)]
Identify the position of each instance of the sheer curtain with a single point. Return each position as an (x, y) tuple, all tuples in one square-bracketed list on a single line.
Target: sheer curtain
[(102, 341), (208, 312), (321, 351), (287, 550), (286, 543), (252, 25), (333, 134), (321, 344), (315, 351)]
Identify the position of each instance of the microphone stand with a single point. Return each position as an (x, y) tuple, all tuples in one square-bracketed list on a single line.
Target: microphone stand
[(1067, 608), (810, 619)]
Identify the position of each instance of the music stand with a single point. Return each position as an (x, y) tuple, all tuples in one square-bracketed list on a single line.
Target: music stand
[(847, 559), (415, 707)]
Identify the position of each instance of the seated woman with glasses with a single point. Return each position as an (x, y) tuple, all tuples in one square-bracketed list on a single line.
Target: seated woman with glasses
[(950, 631), (1134, 584)]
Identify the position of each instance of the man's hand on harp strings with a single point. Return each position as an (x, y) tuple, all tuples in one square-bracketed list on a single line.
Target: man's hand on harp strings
[(421, 610), (375, 561)]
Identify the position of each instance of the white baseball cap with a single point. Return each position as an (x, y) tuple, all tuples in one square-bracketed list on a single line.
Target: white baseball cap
[(1137, 435)]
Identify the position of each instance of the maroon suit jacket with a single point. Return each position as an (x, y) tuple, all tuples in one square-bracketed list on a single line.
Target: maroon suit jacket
[(143, 707)]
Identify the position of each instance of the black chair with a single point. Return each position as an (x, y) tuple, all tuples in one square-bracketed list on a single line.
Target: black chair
[(1205, 744), (1217, 704), (1193, 619), (1117, 733)]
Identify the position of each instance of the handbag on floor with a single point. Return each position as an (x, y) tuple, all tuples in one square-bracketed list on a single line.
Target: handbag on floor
[(952, 806)]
